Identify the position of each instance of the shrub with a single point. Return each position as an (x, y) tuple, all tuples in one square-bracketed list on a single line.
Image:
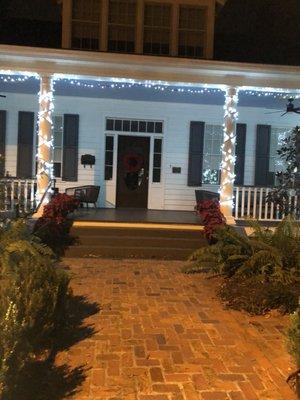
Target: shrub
[(211, 217), (33, 298), (258, 297), (262, 271), (53, 228), (293, 343)]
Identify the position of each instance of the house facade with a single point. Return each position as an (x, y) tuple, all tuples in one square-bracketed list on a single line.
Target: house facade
[(149, 130)]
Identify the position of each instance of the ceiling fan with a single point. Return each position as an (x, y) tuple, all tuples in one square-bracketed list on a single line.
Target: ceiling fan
[(290, 107)]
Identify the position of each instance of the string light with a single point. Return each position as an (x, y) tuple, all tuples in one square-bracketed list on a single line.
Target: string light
[(227, 150), (103, 83), (45, 138)]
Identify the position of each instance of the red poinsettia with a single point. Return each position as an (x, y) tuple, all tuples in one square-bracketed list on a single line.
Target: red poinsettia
[(211, 216)]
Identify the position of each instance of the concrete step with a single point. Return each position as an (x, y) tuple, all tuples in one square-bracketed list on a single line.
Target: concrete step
[(136, 232), (135, 242), (158, 253)]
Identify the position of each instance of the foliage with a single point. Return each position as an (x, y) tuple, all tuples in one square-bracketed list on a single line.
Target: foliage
[(288, 179), (53, 228), (258, 297), (266, 265), (294, 337), (33, 298), (211, 216), (293, 344)]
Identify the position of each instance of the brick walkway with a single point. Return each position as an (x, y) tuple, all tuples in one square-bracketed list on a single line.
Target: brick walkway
[(162, 335)]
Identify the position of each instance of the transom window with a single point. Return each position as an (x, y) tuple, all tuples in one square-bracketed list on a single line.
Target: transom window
[(212, 155), (127, 125), (121, 26), (157, 27), (86, 24), (192, 28)]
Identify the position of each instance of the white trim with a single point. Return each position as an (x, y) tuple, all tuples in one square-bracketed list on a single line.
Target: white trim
[(129, 66)]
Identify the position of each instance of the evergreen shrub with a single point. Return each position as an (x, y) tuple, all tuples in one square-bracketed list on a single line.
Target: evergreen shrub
[(33, 301)]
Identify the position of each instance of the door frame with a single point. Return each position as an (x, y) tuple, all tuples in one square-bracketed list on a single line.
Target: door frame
[(155, 189), (117, 164)]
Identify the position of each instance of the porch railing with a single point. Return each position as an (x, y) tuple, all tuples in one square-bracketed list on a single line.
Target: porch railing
[(251, 202), (17, 195)]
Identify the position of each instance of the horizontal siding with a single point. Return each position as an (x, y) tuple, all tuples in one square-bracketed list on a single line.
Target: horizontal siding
[(175, 193)]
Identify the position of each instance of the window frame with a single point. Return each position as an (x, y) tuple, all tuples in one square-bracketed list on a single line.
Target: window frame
[(158, 29), (203, 31), (212, 154)]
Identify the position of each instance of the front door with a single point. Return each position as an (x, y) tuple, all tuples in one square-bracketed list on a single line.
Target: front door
[(133, 171)]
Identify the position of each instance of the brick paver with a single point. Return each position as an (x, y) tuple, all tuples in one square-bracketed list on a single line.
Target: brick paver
[(163, 335)]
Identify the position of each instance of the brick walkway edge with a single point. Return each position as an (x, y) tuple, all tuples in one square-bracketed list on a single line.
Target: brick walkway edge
[(163, 335)]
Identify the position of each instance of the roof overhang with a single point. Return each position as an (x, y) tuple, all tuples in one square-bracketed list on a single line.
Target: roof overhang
[(174, 71)]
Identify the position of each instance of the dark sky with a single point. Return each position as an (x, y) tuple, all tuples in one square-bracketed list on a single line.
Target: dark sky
[(263, 31), (266, 31)]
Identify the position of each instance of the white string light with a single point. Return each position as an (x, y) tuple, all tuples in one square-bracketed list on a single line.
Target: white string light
[(8, 76), (228, 150), (45, 137)]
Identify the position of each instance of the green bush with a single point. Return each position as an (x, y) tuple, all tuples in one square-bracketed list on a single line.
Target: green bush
[(33, 298), (265, 266), (293, 343), (270, 256)]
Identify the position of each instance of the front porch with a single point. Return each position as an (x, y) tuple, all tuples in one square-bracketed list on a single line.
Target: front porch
[(89, 108)]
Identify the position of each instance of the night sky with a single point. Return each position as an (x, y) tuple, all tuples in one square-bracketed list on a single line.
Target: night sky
[(263, 31)]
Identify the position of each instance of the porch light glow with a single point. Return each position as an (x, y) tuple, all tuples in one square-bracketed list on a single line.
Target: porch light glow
[(45, 137), (228, 151)]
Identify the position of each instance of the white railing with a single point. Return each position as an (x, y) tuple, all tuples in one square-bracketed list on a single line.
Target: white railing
[(251, 202), (17, 195)]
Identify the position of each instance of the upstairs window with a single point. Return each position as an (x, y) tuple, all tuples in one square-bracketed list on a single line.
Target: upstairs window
[(157, 28), (121, 26), (192, 28), (86, 24)]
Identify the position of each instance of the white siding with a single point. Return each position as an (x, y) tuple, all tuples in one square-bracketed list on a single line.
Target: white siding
[(173, 192)]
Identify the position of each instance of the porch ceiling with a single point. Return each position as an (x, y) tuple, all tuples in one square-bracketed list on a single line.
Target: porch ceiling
[(125, 66)]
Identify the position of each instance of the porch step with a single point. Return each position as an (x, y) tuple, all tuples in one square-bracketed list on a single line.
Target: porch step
[(156, 243)]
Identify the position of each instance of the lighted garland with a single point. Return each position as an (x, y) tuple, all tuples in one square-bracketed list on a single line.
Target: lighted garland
[(45, 137), (228, 150)]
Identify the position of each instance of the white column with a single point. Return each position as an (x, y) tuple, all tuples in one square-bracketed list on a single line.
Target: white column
[(228, 153), (45, 145)]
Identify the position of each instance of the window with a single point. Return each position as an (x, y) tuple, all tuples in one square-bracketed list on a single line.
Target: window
[(121, 26), (157, 25), (277, 135), (157, 152), (109, 157), (192, 28), (212, 156), (86, 24), (57, 145), (126, 125)]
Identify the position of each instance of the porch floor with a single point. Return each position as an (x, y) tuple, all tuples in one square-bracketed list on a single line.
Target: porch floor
[(137, 216)]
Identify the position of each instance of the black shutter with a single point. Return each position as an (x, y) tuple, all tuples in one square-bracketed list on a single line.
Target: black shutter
[(240, 149), (262, 175), (2, 141), (25, 144), (70, 151), (196, 153)]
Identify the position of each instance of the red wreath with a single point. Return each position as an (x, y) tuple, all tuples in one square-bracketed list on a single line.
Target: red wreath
[(133, 162)]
